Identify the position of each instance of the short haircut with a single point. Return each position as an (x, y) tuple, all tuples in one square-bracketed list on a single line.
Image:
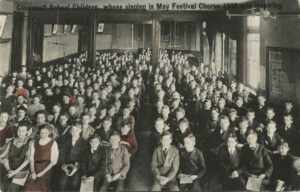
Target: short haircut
[(115, 133), (271, 123), (232, 110), (45, 126), (23, 124), (288, 116), (250, 110), (166, 107), (166, 133), (184, 120), (181, 110), (232, 135), (159, 119), (58, 105), (243, 119), (271, 109), (124, 124), (191, 136), (21, 108), (251, 132), (65, 114), (224, 117), (38, 96), (73, 105), (239, 98), (85, 114), (43, 112), (4, 112), (94, 136), (76, 125), (215, 109), (107, 119)]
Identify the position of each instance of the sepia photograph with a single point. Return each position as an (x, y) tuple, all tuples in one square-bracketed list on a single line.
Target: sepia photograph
[(149, 95)]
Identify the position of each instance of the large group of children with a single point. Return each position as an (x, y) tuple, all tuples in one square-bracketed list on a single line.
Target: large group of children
[(64, 125)]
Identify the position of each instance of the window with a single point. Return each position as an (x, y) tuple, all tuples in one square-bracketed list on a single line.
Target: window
[(253, 52)]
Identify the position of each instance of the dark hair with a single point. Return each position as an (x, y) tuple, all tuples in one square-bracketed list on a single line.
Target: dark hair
[(251, 132), (184, 120), (166, 133), (215, 109), (85, 114), (191, 136), (65, 114), (232, 135), (270, 108), (115, 133), (38, 96), (43, 112), (242, 119), (250, 110), (23, 124), (94, 136), (57, 104), (45, 126), (21, 108)]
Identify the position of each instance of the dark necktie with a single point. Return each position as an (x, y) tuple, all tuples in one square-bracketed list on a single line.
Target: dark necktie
[(165, 151)]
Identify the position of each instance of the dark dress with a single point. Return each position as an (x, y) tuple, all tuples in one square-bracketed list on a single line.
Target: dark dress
[(5, 133), (42, 156), (16, 157)]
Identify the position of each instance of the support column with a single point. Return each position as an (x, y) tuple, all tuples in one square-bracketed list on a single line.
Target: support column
[(205, 46), (198, 37), (218, 50), (92, 27), (155, 40), (242, 52), (143, 36), (185, 44), (35, 38), (17, 41)]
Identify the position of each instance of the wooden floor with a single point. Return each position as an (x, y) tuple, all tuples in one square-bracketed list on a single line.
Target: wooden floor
[(140, 176)]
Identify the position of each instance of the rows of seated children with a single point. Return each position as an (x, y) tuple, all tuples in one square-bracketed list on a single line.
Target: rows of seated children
[(215, 132), (202, 129), (67, 124)]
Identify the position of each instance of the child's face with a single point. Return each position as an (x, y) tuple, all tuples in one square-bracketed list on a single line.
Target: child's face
[(270, 114), (189, 144), (166, 141), (283, 150), (179, 115), (232, 116), (287, 120), (36, 100), (125, 130), (243, 126), (288, 106), (182, 127), (159, 126), (250, 116), (94, 143), (271, 128)]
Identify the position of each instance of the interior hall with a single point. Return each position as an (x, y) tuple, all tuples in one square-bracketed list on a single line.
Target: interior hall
[(152, 97)]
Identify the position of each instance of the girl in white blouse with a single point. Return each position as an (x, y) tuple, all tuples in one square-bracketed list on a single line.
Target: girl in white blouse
[(43, 156)]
